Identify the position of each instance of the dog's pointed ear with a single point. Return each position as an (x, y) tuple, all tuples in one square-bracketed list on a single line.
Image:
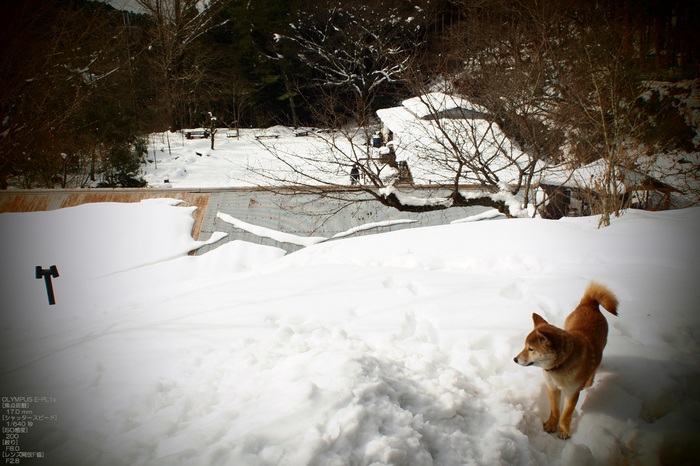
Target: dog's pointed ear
[(543, 338), (538, 320)]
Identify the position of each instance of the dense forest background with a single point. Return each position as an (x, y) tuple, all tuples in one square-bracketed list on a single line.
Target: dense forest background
[(83, 83)]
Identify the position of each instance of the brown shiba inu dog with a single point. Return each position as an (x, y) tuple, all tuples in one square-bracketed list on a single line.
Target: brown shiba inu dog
[(569, 357)]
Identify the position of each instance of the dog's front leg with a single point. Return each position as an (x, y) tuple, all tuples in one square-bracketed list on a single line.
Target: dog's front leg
[(554, 401), (590, 381), (565, 424)]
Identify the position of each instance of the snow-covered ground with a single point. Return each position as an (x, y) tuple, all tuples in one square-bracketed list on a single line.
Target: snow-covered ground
[(271, 156), (258, 157), (395, 348)]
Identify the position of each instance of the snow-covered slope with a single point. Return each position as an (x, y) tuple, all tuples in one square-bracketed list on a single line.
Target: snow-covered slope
[(394, 348)]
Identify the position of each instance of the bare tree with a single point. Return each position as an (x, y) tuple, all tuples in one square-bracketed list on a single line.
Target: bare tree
[(177, 24), (458, 156), (560, 79), (489, 153), (600, 94), (514, 56), (55, 60), (454, 143), (358, 52), (357, 49)]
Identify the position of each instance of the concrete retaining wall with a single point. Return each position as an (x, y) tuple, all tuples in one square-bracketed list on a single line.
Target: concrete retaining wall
[(287, 211)]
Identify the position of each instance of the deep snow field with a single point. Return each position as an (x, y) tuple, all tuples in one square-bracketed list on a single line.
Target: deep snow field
[(395, 348)]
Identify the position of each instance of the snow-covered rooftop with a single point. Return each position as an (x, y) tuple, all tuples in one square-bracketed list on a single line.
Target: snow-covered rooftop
[(421, 141), (435, 103)]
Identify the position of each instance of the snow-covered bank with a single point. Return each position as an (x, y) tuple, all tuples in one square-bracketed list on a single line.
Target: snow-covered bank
[(387, 349)]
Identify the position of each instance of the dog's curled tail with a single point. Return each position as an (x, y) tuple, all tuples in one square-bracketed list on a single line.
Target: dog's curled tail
[(598, 293)]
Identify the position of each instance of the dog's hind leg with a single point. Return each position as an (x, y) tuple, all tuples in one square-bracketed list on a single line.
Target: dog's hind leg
[(554, 403), (565, 423)]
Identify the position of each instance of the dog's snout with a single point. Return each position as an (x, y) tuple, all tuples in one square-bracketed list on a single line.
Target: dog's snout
[(515, 359)]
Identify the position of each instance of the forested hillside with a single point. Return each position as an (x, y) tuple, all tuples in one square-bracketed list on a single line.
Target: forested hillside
[(83, 83)]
